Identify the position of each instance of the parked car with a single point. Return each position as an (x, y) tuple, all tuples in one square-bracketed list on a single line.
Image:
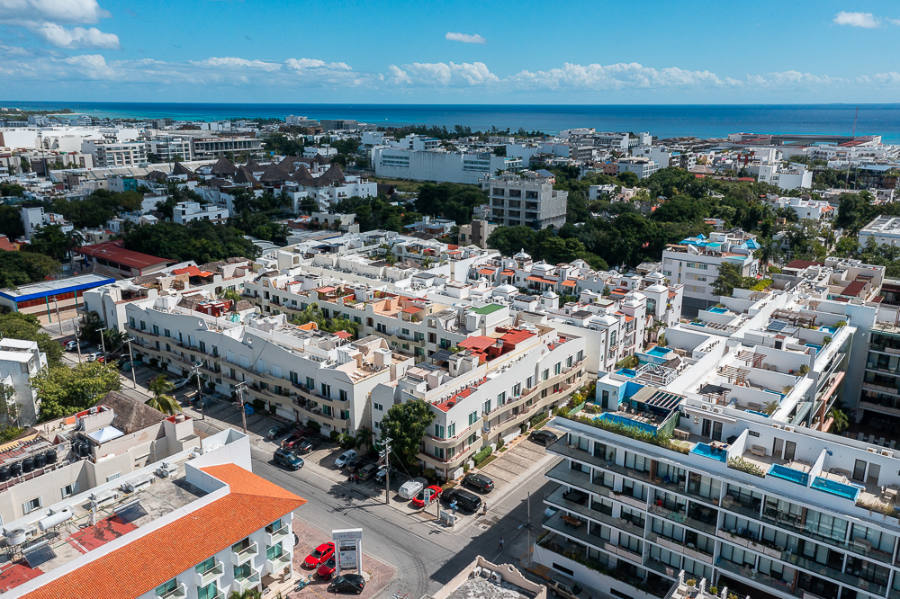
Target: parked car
[(566, 590), (464, 500), (94, 357), (343, 459), (411, 488), (382, 473), (320, 554), (478, 482), (347, 583), (304, 446), (542, 437), (326, 569), (367, 471), (432, 491), (288, 459), (278, 430), (353, 464), (71, 345)]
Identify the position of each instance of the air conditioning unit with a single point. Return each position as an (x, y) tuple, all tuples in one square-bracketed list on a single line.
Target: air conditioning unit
[(789, 429), (871, 450), (887, 453)]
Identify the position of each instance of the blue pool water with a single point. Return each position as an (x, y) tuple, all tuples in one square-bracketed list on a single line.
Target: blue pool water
[(718, 310), (815, 346), (643, 426), (828, 329), (835, 488), (795, 476), (758, 413), (708, 451), (626, 372), (659, 352)]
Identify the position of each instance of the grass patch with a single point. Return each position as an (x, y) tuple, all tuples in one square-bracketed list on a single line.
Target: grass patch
[(487, 461), (401, 184)]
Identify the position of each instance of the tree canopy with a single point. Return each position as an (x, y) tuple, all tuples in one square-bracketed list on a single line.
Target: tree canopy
[(404, 424), (201, 240), (449, 200), (96, 209), (64, 391), (26, 326), (21, 268), (377, 213)]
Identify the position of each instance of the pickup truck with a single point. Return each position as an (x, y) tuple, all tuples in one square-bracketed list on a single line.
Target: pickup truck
[(566, 590)]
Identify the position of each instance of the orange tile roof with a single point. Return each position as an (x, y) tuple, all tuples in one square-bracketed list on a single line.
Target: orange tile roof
[(309, 326), (568, 283), (508, 273), (192, 271), (486, 271), (162, 554)]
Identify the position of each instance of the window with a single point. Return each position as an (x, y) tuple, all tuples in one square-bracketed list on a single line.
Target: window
[(486, 408), (345, 414), (206, 565), (31, 505), (242, 572), (342, 395), (558, 368), (210, 591), (167, 332), (517, 390), (274, 552), (501, 398), (143, 325), (545, 375), (472, 418), (166, 587), (439, 431), (155, 330), (378, 407), (451, 431), (68, 490), (439, 453), (326, 390), (310, 383)]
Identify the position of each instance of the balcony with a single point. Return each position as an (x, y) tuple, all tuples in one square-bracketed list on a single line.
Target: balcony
[(679, 547), (179, 592), (275, 537), (242, 555), (204, 578), (244, 584), (281, 562), (754, 576)]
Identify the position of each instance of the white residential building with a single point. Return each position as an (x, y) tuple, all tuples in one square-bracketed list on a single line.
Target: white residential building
[(34, 217), (527, 199), (818, 210), (789, 177), (170, 148), (442, 166), (116, 154), (883, 230), (641, 166), (19, 361), (185, 212)]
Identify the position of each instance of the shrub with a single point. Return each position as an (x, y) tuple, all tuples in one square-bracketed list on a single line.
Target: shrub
[(334, 435), (746, 466), (482, 455), (523, 428), (538, 419), (314, 425), (431, 474), (840, 323), (500, 442)]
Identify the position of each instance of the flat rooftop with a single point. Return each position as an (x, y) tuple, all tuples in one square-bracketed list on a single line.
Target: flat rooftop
[(55, 287)]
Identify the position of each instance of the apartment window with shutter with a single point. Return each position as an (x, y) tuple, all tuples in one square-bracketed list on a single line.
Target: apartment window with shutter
[(473, 417), (31, 505)]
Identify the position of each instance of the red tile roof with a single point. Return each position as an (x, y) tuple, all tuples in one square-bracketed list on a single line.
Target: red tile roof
[(112, 251), (486, 271), (477, 342), (191, 271), (162, 554), (343, 335)]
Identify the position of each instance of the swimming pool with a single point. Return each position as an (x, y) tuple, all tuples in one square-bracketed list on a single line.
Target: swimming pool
[(831, 330), (835, 488), (795, 476), (659, 352), (708, 451), (815, 346), (616, 419), (626, 372), (718, 310), (758, 413)]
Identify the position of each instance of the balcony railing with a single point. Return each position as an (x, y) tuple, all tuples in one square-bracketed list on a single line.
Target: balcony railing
[(278, 535), (243, 584), (179, 592), (242, 555), (204, 578)]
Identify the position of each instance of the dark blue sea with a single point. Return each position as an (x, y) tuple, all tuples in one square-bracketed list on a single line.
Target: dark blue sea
[(660, 120)]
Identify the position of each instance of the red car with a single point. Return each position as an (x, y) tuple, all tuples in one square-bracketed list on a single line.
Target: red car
[(326, 569), (419, 500), (320, 554)]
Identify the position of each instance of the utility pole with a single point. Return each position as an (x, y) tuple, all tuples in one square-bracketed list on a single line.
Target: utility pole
[(58, 317), (102, 343), (128, 340), (387, 471), (196, 371), (77, 343), (528, 527), (239, 389)]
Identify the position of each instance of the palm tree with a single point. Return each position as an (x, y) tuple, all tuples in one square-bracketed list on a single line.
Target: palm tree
[(840, 422), (161, 400), (248, 594)]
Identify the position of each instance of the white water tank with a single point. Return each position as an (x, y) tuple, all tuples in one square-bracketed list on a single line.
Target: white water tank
[(15, 536), (55, 519)]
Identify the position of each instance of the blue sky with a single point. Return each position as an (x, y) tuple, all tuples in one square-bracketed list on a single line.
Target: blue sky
[(650, 52)]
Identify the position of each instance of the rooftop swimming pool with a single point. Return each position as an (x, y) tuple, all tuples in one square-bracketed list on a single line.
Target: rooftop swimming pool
[(835, 488), (758, 413), (629, 372), (708, 451), (794, 476), (831, 330), (659, 352), (815, 346), (625, 421), (718, 310)]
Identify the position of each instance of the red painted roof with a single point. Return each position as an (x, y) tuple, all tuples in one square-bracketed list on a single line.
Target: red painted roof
[(343, 334), (477, 342), (486, 271), (191, 271), (162, 554), (568, 283), (539, 279), (113, 251)]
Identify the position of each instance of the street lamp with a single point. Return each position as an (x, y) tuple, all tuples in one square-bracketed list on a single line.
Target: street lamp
[(239, 389), (195, 370), (128, 340)]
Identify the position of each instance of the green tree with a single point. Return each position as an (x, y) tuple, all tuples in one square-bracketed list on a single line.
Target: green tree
[(202, 241), (20, 268), (405, 424), (9, 408), (729, 278), (840, 419), (162, 400), (247, 594), (50, 241), (26, 326), (11, 222), (64, 391)]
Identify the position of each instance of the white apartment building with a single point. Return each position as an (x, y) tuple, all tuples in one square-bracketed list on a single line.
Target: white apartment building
[(325, 151), (185, 212), (295, 372), (170, 148), (641, 166), (207, 148), (667, 483), (486, 391), (695, 261), (19, 361), (789, 177), (327, 193), (220, 528), (116, 154), (437, 165), (818, 210), (34, 217), (883, 230), (661, 155), (527, 199)]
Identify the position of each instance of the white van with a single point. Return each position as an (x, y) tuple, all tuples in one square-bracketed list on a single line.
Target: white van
[(411, 488)]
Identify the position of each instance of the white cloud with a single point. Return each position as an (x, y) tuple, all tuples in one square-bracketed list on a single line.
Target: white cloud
[(442, 74), (792, 79), (239, 63), (856, 19), (76, 37), (92, 66), (466, 38), (66, 11), (616, 76), (893, 21)]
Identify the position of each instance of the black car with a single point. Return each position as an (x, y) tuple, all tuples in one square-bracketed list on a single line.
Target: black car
[(287, 459), (278, 431), (304, 446), (542, 437), (465, 501), (367, 471), (478, 482), (347, 583), (353, 464)]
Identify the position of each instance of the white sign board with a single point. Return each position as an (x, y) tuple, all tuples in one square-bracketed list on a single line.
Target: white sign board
[(348, 546)]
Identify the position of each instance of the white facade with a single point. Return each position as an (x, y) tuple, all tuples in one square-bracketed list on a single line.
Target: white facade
[(186, 212), (171, 148), (695, 262), (884, 230), (441, 166), (528, 200), (19, 361), (640, 166), (116, 154)]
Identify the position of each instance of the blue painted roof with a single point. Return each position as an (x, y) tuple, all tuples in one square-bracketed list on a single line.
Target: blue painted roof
[(46, 289)]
